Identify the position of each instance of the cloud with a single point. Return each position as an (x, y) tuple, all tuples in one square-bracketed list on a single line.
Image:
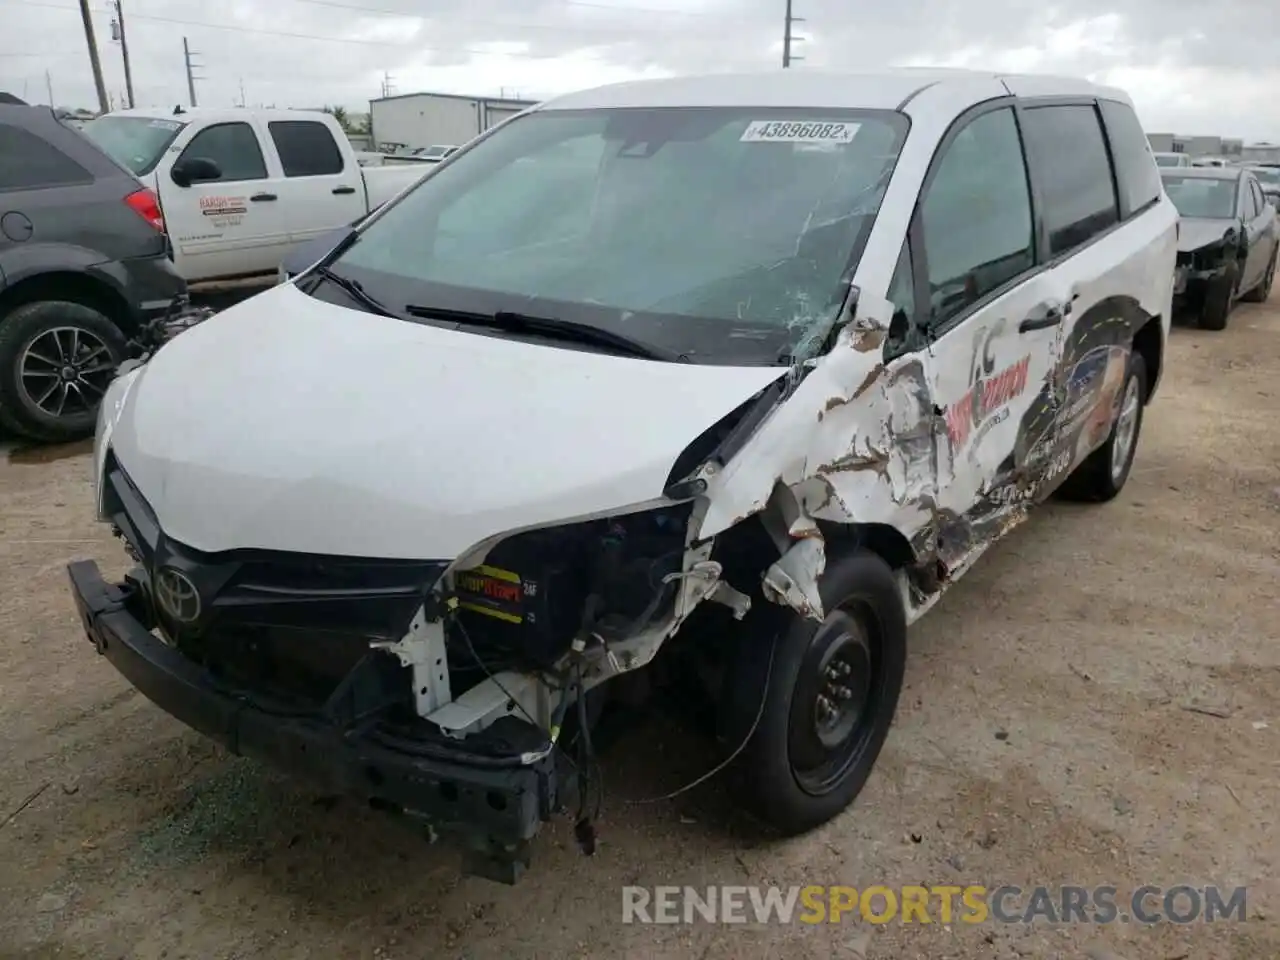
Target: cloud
[(1189, 70)]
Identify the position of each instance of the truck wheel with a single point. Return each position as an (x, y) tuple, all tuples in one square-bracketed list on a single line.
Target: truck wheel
[(830, 696), (56, 360), (1104, 472), (1219, 298), (1262, 291)]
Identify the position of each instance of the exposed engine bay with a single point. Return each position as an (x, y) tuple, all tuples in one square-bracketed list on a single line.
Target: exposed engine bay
[(603, 581)]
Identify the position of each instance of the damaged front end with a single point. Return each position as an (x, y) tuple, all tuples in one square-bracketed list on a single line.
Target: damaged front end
[(437, 689), (456, 690), (1201, 271)]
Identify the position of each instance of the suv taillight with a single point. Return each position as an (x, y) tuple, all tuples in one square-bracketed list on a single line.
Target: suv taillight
[(146, 205)]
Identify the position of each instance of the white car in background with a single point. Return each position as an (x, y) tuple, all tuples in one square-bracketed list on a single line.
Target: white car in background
[(240, 188), (1172, 159)]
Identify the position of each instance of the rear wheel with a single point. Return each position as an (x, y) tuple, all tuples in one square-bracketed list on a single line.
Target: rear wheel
[(56, 360), (1105, 471), (1219, 298), (829, 699), (1262, 291)]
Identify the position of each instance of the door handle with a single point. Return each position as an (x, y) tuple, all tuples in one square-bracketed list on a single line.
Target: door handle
[(1053, 316), (344, 190), (259, 197)]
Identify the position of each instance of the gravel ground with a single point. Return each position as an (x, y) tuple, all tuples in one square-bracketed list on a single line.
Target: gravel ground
[(1098, 702)]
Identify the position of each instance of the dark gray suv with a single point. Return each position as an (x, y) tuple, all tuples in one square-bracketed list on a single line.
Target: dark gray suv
[(84, 266)]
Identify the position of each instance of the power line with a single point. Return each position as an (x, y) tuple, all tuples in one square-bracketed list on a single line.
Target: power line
[(265, 31), (613, 8)]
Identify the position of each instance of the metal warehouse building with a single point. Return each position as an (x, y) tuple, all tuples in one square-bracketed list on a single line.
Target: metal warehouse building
[(427, 119)]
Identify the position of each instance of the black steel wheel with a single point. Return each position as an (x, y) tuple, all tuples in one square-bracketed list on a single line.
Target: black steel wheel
[(831, 693), (834, 701)]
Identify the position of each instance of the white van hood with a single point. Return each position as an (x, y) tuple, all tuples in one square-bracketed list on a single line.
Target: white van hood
[(286, 423)]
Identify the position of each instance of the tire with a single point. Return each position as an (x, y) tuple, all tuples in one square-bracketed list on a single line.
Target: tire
[(33, 337), (1219, 298), (1262, 291), (1095, 480), (859, 593)]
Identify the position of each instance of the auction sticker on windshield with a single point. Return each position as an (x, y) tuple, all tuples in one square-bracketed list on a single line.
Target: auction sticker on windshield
[(798, 131)]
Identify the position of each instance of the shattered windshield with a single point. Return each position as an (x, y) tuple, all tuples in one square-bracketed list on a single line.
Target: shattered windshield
[(1208, 198), (727, 235)]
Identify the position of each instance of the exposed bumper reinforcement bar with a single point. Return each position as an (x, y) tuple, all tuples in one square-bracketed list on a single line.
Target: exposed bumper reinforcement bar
[(494, 810)]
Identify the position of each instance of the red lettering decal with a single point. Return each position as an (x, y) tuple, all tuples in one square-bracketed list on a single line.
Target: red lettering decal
[(959, 419), (1002, 389), (1023, 367)]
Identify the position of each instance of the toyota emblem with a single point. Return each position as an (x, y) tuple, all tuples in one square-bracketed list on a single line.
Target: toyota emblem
[(177, 596)]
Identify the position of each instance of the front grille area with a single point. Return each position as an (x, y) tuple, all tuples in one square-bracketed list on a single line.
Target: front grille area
[(1204, 259), (288, 626)]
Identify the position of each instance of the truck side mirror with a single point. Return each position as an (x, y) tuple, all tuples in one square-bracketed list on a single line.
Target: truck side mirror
[(194, 170)]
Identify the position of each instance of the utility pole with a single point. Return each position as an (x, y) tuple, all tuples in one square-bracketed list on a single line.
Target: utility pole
[(117, 33), (94, 63), (48, 85), (191, 77), (242, 92), (388, 84), (788, 39)]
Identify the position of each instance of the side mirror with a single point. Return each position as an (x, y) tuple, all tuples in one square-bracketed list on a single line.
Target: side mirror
[(195, 170)]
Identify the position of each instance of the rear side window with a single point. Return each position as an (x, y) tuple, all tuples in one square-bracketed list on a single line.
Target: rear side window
[(1068, 153), (306, 148), (233, 147), (1136, 174), (28, 162), (1251, 206), (977, 215), (1258, 199)]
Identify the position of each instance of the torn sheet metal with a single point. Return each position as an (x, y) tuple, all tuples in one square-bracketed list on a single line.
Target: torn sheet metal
[(793, 579), (856, 440)]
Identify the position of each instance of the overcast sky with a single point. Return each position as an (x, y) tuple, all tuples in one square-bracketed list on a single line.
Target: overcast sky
[(1192, 67)]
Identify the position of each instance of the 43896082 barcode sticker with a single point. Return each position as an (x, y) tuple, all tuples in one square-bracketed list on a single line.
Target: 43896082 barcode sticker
[(798, 131)]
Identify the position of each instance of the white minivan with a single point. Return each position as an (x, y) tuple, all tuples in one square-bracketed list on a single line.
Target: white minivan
[(728, 378)]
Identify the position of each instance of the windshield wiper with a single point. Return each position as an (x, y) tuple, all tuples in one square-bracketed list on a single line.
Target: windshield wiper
[(353, 289), (549, 327)]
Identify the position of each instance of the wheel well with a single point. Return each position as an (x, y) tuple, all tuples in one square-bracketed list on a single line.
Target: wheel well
[(70, 286), (747, 550), (885, 541), (1149, 344)]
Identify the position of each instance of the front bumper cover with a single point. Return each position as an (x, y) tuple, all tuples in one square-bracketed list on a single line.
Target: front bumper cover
[(494, 810)]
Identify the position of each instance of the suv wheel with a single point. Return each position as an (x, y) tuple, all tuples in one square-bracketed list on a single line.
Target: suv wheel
[(56, 360), (817, 699)]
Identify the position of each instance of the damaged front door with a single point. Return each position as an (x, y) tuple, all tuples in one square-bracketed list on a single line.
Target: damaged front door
[(994, 325)]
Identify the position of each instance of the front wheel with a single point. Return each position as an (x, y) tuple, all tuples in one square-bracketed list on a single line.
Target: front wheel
[(1219, 298), (829, 699), (56, 360)]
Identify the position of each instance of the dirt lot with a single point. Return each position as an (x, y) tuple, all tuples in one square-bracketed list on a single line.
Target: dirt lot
[(1044, 737)]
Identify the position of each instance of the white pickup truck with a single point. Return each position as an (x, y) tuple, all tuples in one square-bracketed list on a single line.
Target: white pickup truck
[(238, 188)]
